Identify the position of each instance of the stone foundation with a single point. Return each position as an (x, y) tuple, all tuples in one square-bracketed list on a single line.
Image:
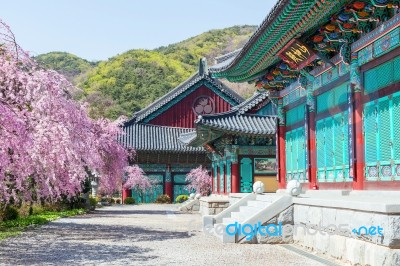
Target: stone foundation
[(213, 205), (284, 218), (350, 235)]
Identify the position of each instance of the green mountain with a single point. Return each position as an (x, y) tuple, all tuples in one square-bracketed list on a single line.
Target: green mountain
[(130, 81), (71, 66)]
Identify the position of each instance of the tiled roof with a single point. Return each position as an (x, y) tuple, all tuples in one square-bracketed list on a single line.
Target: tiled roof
[(196, 79), (225, 57), (143, 137), (188, 137), (236, 121), (240, 124), (250, 103)]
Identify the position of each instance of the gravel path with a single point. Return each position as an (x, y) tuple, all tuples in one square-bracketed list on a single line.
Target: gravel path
[(136, 235)]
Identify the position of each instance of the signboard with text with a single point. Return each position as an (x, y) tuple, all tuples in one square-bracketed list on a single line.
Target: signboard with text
[(297, 55)]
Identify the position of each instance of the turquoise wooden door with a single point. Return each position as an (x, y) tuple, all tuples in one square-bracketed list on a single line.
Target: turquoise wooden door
[(246, 175), (296, 154), (333, 148), (180, 186), (150, 195), (381, 135)]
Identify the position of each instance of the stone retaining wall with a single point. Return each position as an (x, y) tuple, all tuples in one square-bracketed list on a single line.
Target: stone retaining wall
[(335, 232), (213, 206)]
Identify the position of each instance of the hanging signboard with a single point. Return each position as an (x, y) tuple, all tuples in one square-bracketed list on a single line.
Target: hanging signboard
[(297, 55)]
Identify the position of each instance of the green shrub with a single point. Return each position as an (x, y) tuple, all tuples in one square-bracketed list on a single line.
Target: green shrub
[(181, 198), (129, 201), (112, 201), (10, 213), (118, 201), (92, 202), (163, 199)]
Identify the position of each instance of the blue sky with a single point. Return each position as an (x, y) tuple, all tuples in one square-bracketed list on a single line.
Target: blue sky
[(99, 29)]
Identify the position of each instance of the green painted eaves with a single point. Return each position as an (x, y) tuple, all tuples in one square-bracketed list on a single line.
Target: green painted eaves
[(289, 19)]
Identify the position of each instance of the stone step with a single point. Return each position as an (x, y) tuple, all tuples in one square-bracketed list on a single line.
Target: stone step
[(230, 220), (258, 204), (220, 232), (239, 216), (250, 210), (266, 197), (216, 233)]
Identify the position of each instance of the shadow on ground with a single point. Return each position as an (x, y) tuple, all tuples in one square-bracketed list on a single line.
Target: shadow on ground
[(71, 243), (130, 212)]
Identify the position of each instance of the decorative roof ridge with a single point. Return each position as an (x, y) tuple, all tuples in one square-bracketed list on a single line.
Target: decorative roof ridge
[(266, 22), (223, 115), (224, 57), (257, 98), (233, 94), (238, 123), (166, 127)]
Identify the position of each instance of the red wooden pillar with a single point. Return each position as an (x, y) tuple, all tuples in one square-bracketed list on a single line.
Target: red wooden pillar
[(168, 183), (218, 179), (235, 177), (359, 162), (126, 193), (281, 157), (312, 151), (212, 178), (225, 181)]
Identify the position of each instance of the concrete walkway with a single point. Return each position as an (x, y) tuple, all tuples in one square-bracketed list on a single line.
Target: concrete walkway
[(136, 235)]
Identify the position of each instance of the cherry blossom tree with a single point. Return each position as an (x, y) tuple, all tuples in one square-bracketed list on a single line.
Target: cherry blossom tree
[(199, 180), (47, 140), (136, 179)]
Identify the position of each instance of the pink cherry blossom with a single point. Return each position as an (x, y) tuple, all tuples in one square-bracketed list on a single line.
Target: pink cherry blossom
[(199, 180), (47, 140)]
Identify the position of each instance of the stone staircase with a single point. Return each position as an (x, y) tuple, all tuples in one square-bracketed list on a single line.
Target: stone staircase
[(252, 209)]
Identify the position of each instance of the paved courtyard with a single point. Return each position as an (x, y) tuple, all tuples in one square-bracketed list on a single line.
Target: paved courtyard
[(136, 235)]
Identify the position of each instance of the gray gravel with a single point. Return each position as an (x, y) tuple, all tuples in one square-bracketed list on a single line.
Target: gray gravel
[(136, 235)]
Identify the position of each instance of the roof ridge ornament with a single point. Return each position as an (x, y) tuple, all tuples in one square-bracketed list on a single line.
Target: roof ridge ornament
[(203, 68)]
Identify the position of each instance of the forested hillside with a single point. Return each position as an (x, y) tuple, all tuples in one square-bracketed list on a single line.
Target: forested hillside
[(130, 81), (71, 66)]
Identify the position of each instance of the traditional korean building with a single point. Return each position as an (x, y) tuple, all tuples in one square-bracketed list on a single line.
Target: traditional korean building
[(153, 132), (332, 68), (241, 143)]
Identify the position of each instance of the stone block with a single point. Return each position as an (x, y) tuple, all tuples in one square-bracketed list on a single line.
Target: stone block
[(328, 216), (211, 211), (300, 213), (299, 234), (208, 220), (286, 217), (322, 241), (393, 236), (337, 246), (218, 210), (314, 215), (355, 251), (274, 220), (309, 237)]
